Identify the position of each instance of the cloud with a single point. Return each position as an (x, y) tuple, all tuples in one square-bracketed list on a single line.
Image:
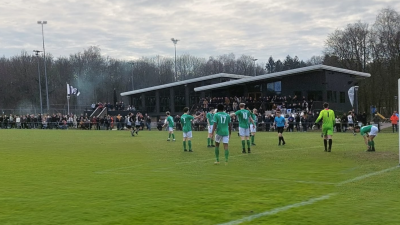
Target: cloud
[(130, 29)]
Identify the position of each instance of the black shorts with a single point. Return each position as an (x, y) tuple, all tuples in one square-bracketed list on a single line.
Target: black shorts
[(137, 126), (280, 129), (128, 126)]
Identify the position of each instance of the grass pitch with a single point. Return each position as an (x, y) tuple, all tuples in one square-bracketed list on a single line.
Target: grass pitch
[(109, 177)]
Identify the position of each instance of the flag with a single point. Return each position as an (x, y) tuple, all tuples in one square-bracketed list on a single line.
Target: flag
[(72, 91), (351, 95), (75, 91)]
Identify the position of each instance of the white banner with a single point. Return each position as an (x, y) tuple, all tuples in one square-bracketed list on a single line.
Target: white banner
[(72, 91), (351, 95)]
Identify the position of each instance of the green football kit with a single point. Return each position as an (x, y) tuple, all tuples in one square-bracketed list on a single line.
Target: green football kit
[(243, 117), (186, 121), (222, 121)]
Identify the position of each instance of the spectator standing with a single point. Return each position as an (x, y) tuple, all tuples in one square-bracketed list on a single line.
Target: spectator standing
[(205, 105), (148, 122), (160, 125), (107, 121), (304, 122), (11, 121), (118, 121), (364, 118), (98, 123), (18, 121), (394, 119), (344, 123), (297, 122), (377, 121), (234, 106), (291, 123), (177, 121), (337, 124), (350, 120)]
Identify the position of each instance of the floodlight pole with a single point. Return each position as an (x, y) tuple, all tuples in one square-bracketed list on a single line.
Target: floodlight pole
[(255, 71), (68, 97), (356, 96), (175, 41), (132, 63), (40, 84), (45, 71)]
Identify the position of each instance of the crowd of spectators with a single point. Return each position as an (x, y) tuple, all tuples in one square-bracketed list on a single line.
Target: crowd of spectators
[(262, 104), (31, 121), (117, 106), (60, 121), (298, 112)]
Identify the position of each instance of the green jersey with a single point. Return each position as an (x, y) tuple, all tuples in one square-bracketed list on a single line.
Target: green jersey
[(170, 121), (186, 121), (327, 116), (255, 118), (222, 121), (210, 118), (365, 130), (243, 117)]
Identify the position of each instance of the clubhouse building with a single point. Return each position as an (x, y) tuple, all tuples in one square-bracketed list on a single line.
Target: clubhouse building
[(319, 83)]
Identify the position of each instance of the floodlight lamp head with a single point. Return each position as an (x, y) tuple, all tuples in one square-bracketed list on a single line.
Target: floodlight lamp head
[(37, 52), (174, 40)]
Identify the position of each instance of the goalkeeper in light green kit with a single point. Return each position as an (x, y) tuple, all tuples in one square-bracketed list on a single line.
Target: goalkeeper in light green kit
[(328, 117), (223, 127)]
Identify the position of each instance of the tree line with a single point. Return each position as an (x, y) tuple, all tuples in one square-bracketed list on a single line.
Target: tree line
[(96, 76), (374, 49), (359, 46)]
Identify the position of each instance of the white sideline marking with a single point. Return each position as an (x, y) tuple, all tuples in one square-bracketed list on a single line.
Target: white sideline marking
[(278, 210), (366, 176), (284, 180), (311, 201)]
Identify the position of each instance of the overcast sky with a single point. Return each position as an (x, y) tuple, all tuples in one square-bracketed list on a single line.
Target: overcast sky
[(130, 29)]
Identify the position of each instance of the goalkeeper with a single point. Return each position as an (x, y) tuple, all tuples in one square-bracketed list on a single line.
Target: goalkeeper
[(328, 117)]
